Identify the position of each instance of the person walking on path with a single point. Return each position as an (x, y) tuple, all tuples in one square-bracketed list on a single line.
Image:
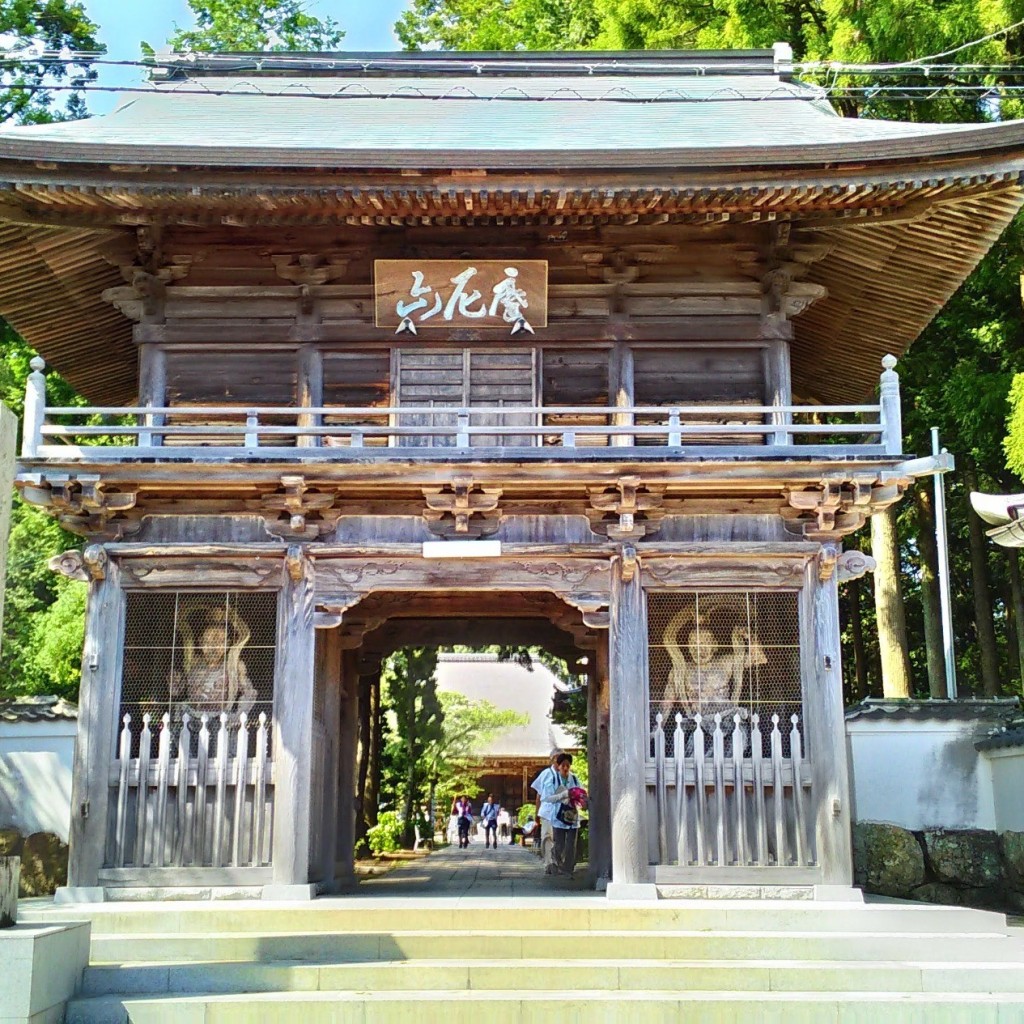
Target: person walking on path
[(489, 816), (504, 823), (464, 813), (545, 777), (558, 788)]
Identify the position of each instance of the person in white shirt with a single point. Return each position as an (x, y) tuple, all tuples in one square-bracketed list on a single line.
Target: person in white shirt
[(564, 817), (547, 781)]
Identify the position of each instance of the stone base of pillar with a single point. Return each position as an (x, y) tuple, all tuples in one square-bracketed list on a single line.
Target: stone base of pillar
[(289, 892), (838, 894), (79, 894), (631, 891)]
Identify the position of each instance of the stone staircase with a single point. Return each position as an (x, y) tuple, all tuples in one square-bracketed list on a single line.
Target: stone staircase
[(561, 958)]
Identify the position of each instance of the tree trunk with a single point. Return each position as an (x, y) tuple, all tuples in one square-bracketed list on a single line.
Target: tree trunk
[(373, 773), (892, 623), (366, 727), (981, 591), (931, 606), (1017, 604), (860, 657)]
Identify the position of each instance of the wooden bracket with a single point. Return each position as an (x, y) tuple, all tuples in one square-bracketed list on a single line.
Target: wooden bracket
[(628, 510), (85, 566), (82, 504), (310, 268), (298, 511), (593, 606), (827, 560), (837, 506), (294, 562), (462, 509), (628, 562)]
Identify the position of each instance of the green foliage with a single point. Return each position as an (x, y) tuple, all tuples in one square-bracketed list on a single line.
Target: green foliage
[(386, 835), (467, 728), (525, 813), (250, 26), (27, 82)]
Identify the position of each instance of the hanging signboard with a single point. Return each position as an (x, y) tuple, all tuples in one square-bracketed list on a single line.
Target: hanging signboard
[(460, 293)]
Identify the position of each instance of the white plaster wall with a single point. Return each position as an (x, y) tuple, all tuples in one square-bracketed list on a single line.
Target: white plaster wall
[(1007, 768), (920, 774), (35, 776)]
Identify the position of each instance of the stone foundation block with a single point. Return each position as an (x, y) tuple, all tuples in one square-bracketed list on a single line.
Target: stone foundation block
[(41, 969)]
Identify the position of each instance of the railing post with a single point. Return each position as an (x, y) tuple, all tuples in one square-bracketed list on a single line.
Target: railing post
[(890, 412), (252, 422), (462, 435), (675, 435), (35, 410)]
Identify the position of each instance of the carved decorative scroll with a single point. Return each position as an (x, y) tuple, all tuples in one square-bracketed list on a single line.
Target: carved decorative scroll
[(628, 510), (462, 509), (567, 577), (774, 571), (854, 564), (185, 573), (310, 268), (85, 566)]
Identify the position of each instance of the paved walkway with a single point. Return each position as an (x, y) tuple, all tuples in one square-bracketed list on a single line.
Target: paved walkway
[(476, 871)]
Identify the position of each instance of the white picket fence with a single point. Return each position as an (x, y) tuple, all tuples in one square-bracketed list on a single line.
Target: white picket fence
[(208, 805), (732, 799)]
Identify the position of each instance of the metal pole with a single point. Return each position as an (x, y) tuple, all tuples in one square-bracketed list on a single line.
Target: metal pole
[(942, 543)]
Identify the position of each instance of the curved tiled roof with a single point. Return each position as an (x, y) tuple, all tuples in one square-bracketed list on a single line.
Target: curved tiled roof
[(37, 709)]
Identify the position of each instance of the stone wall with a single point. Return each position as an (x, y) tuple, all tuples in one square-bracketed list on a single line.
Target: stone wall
[(962, 867), (44, 860)]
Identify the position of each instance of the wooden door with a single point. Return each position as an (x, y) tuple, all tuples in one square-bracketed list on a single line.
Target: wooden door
[(438, 383)]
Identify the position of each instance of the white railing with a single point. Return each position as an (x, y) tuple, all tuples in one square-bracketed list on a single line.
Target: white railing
[(335, 432), (731, 798), (204, 800)]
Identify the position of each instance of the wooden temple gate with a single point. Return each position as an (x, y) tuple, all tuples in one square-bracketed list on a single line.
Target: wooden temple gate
[(626, 387)]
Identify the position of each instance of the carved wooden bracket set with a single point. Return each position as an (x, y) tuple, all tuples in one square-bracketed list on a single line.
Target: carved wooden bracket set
[(837, 506)]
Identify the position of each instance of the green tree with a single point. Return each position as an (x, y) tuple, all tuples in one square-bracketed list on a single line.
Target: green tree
[(250, 26), (415, 715), (31, 29), (451, 759)]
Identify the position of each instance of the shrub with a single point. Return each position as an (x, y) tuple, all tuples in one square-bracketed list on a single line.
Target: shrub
[(386, 835)]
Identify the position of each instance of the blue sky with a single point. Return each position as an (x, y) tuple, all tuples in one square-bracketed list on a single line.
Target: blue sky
[(125, 23)]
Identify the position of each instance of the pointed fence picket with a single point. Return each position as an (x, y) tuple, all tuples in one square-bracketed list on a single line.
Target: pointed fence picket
[(736, 804), (207, 806)]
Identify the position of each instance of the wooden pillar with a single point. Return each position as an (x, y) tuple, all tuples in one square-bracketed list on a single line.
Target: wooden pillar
[(627, 731), (98, 705), (152, 391), (778, 389), (825, 736), (330, 684), (310, 392), (598, 762), (348, 729), (621, 391), (364, 743), (293, 728)]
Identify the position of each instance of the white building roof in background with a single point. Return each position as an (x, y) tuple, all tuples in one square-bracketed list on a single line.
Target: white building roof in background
[(507, 684)]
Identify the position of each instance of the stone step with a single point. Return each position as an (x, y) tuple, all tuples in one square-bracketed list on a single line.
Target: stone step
[(514, 944), (509, 1006), (538, 916), (577, 975)]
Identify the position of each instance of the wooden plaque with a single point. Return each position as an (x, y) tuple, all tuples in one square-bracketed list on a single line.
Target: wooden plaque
[(460, 293)]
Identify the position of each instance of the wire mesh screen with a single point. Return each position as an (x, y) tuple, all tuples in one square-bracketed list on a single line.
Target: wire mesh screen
[(196, 654), (724, 653)]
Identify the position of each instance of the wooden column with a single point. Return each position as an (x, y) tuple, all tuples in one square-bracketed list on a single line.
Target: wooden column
[(627, 731), (293, 726), (310, 392), (825, 729), (621, 391), (330, 682), (348, 729), (598, 761), (778, 389), (152, 391), (98, 706)]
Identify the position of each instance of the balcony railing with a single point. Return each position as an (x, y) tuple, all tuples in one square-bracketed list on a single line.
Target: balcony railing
[(335, 433)]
